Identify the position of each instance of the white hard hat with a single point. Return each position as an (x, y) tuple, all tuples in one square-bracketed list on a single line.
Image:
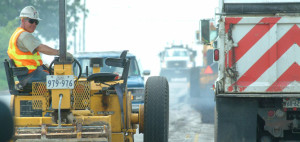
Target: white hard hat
[(30, 12)]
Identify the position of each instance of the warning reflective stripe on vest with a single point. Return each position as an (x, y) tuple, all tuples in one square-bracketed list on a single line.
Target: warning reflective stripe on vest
[(35, 57), (23, 59), (32, 62)]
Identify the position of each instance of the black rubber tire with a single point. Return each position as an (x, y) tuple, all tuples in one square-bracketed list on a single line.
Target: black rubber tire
[(156, 110), (6, 123)]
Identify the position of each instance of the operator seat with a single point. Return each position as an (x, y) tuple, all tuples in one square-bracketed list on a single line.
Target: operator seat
[(11, 72), (115, 62)]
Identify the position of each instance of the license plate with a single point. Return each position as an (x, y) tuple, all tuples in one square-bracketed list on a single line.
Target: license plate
[(291, 103), (60, 82)]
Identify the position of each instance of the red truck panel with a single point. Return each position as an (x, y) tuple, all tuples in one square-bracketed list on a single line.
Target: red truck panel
[(265, 53)]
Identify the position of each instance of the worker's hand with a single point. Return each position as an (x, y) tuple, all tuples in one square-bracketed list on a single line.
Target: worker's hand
[(46, 65), (69, 57)]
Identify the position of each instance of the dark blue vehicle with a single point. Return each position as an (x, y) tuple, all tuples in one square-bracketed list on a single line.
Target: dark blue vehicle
[(135, 82)]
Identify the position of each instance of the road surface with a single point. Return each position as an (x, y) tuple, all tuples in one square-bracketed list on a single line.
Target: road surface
[(185, 123)]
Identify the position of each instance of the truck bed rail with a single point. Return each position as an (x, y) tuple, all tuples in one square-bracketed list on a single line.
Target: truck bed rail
[(259, 95)]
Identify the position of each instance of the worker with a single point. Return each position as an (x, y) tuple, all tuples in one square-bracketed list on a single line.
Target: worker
[(25, 49)]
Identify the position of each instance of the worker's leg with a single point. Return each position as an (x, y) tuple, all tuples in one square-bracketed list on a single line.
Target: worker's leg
[(39, 75)]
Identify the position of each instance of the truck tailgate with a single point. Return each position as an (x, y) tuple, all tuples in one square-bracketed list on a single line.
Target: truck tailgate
[(262, 54)]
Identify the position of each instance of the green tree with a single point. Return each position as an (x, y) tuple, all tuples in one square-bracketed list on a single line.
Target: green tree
[(5, 33), (48, 11)]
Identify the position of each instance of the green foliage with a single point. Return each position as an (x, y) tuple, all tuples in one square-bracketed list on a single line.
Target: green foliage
[(48, 12), (3, 82), (5, 33)]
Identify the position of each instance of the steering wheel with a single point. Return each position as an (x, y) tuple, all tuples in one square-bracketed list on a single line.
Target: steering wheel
[(57, 58)]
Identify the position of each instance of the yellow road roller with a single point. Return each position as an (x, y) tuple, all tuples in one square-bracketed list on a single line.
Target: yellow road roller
[(94, 108)]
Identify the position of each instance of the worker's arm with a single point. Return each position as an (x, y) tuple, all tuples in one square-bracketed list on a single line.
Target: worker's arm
[(47, 50), (50, 51)]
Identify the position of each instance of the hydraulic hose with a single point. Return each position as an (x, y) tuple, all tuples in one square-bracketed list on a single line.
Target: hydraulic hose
[(59, 113), (80, 69)]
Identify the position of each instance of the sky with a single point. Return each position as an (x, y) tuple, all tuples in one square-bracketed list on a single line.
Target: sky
[(144, 27)]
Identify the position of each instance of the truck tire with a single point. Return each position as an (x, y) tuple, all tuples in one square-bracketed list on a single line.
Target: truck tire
[(207, 114), (235, 120), (156, 111), (195, 82)]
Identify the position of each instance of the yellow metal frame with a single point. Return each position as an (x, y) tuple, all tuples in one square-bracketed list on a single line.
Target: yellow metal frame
[(62, 69), (103, 109)]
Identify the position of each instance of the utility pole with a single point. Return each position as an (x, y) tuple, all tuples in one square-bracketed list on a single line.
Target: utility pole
[(80, 44), (75, 41), (83, 28)]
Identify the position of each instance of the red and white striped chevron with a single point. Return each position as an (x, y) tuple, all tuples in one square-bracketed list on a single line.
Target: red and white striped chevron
[(266, 54)]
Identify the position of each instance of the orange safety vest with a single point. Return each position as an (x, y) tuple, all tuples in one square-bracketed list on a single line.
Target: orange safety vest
[(23, 59)]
